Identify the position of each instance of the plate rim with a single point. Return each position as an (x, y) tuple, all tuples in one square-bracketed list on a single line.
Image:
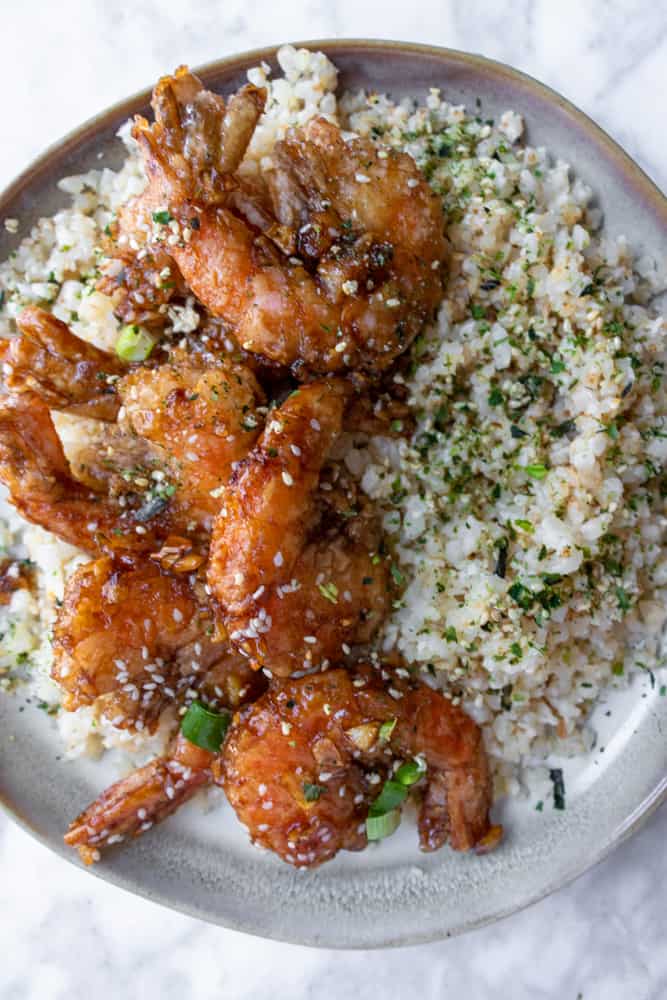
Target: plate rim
[(644, 187)]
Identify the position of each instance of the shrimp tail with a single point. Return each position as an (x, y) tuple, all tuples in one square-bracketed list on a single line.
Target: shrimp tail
[(67, 373), (136, 803)]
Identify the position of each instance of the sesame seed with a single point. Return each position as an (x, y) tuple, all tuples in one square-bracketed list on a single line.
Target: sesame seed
[(413, 182), (315, 424), (345, 648), (286, 728), (261, 789), (287, 479), (339, 348), (350, 287), (294, 448), (12, 225), (393, 303), (278, 559), (362, 178), (325, 775), (140, 530), (311, 639)]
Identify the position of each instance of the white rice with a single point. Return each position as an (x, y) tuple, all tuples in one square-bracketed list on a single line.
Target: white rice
[(517, 353)]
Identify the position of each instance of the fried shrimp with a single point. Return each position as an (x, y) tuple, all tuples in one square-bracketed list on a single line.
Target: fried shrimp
[(132, 638), (301, 766), (190, 152), (67, 373), (42, 488), (205, 419), (334, 261), (296, 580), (135, 803)]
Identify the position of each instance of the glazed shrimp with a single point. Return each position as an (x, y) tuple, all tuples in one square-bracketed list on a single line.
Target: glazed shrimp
[(295, 590), (190, 154), (67, 373), (302, 764), (334, 264), (197, 416), (132, 637), (203, 417), (134, 804), (42, 488)]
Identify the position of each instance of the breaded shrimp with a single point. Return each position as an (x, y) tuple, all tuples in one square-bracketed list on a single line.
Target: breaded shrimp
[(294, 590), (202, 416), (302, 764), (198, 415), (337, 267), (67, 373), (41, 487), (132, 637), (190, 152)]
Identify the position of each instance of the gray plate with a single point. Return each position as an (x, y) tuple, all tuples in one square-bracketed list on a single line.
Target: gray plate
[(201, 863)]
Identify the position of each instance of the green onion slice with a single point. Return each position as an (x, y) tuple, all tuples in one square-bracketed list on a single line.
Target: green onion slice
[(410, 772), (204, 728), (311, 793), (393, 794), (134, 343), (386, 729), (379, 827)]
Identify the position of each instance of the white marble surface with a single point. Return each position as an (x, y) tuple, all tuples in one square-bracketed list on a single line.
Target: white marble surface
[(64, 934)]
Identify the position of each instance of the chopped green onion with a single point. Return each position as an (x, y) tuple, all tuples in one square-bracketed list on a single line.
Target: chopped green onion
[(525, 525), (386, 729), (410, 772), (162, 218), (204, 728), (311, 793), (393, 794), (379, 827), (134, 343), (397, 575), (329, 591), (536, 471)]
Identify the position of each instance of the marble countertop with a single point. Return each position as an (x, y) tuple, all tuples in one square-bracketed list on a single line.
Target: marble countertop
[(67, 935)]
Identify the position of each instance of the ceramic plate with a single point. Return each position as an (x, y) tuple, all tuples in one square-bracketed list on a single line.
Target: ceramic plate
[(390, 894)]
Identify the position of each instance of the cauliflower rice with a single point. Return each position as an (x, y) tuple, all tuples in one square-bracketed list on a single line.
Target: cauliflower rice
[(526, 513)]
